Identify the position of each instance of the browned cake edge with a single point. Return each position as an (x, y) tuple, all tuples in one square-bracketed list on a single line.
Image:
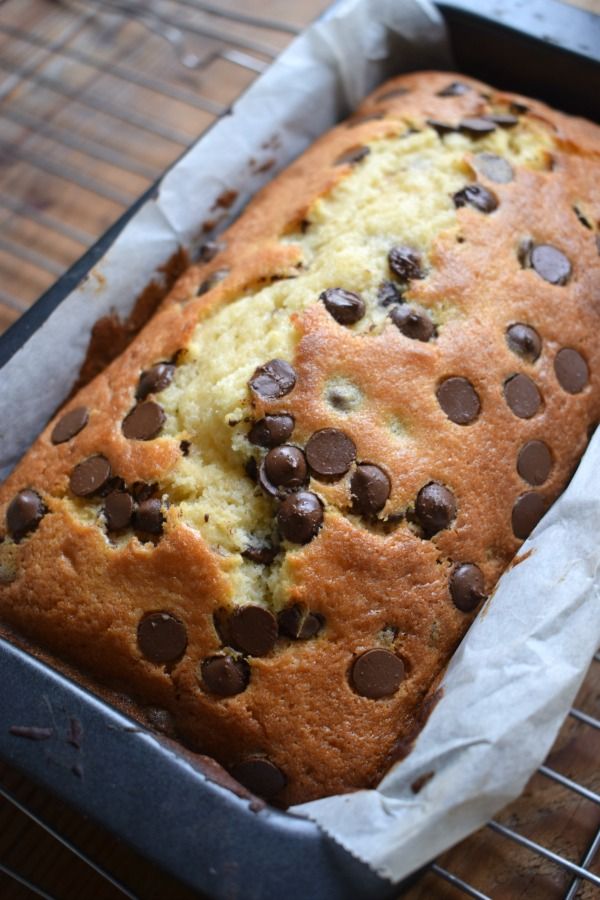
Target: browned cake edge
[(65, 587)]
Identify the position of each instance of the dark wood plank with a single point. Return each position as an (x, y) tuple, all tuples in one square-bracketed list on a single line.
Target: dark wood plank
[(112, 41)]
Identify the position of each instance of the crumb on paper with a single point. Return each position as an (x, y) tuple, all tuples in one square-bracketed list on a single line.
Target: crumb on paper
[(420, 782), (519, 558), (225, 199)]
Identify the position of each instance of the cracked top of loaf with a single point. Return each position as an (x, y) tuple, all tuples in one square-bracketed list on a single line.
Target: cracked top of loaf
[(276, 514)]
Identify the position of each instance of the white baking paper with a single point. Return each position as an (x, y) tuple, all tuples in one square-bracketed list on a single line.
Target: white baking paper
[(505, 695), (513, 679)]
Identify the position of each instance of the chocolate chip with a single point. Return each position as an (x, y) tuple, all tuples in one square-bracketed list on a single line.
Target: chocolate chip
[(286, 467), (225, 676), (466, 587), (161, 638), (354, 155), (477, 196), (148, 517), (154, 380), (330, 453), (454, 89), (70, 425), (264, 482), (264, 554), (571, 370), (90, 476), (369, 490), (209, 250), (504, 120), (435, 508), (212, 281), (272, 430), (388, 294), (459, 400), (405, 262), (300, 517), (118, 510), (526, 513), (534, 462), (524, 341), (184, 446), (272, 380), (345, 307), (253, 630), (260, 776), (442, 128), (394, 92), (144, 421), (413, 322), (298, 623), (115, 483), (377, 673), (140, 490), (221, 624), (584, 221), (251, 469), (476, 126), (550, 264), (24, 513), (522, 395), (494, 167)]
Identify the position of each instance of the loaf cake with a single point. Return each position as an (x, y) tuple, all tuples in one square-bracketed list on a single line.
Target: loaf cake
[(272, 519)]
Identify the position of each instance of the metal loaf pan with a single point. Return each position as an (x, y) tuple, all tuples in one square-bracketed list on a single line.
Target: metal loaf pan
[(130, 781)]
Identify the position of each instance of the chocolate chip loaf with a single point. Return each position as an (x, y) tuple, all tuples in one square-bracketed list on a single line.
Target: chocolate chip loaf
[(276, 514)]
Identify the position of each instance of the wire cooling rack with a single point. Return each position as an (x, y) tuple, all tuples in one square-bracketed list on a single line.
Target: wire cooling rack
[(80, 139), (497, 862)]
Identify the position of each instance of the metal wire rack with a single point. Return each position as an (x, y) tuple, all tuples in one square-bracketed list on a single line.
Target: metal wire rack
[(79, 83), (578, 872)]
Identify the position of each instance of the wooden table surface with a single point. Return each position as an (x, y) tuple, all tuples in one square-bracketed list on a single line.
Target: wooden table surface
[(80, 139)]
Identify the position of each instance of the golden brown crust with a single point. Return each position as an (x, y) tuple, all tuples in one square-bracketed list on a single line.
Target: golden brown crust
[(80, 597)]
